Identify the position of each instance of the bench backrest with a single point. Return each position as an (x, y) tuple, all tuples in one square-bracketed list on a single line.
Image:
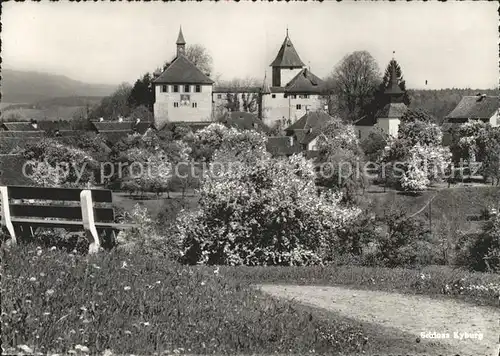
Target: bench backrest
[(54, 208)]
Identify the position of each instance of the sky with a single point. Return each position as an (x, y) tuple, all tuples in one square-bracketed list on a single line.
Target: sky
[(449, 44)]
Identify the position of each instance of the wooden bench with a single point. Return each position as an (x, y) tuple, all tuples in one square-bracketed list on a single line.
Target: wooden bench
[(20, 217)]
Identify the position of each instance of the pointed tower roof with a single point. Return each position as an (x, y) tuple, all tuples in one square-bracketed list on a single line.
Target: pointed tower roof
[(180, 38), (266, 89), (287, 55), (393, 89)]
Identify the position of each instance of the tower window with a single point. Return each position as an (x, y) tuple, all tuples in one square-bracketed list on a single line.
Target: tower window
[(293, 96), (298, 107), (176, 105), (359, 134), (273, 96), (164, 88), (176, 88), (194, 105), (186, 88), (219, 96), (198, 88)]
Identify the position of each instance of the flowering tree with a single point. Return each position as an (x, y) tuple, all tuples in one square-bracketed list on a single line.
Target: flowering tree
[(147, 171), (265, 213), (418, 149), (218, 137), (340, 158), (53, 164), (426, 163)]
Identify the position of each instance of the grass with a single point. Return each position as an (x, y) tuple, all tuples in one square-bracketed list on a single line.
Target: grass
[(474, 287), (53, 301)]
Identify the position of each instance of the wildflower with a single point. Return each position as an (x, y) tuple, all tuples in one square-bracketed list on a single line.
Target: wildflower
[(216, 272), (49, 292), (38, 252), (96, 266), (53, 248), (46, 313), (124, 264), (158, 282), (127, 288), (82, 348), (32, 279), (107, 352), (42, 274), (146, 323), (25, 349), (203, 283), (128, 332)]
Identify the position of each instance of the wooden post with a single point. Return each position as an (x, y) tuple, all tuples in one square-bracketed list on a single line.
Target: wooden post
[(6, 221), (88, 220)]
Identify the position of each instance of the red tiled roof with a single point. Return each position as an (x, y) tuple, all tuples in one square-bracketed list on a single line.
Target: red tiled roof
[(475, 107), (287, 56), (182, 71)]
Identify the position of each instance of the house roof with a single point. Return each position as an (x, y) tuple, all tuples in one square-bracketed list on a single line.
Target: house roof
[(21, 134), (311, 120), (109, 126), (475, 107), (182, 71), (244, 121), (392, 110), (54, 125), (11, 171), (19, 126), (228, 89), (367, 120), (305, 82), (282, 146), (287, 56)]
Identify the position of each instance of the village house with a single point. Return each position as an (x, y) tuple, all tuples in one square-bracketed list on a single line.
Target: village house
[(183, 93), (388, 118)]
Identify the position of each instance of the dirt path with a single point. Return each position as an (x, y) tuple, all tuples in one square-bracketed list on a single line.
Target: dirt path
[(410, 314)]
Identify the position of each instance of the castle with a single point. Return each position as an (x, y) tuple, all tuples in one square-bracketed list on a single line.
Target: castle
[(183, 93)]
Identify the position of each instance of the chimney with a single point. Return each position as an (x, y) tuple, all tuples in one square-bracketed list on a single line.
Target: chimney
[(137, 121), (120, 119), (291, 140), (101, 119), (34, 124)]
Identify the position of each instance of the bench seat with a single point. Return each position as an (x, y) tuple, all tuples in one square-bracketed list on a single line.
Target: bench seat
[(65, 223)]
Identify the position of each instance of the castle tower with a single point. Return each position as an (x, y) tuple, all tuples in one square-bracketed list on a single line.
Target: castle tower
[(264, 97), (287, 64), (181, 43)]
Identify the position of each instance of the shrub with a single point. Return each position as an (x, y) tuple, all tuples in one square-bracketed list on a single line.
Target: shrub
[(481, 251), (265, 213), (406, 243)]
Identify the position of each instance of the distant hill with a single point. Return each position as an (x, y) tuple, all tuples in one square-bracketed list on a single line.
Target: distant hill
[(31, 87)]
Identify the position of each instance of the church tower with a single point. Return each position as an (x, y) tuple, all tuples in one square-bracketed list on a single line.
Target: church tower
[(181, 43), (287, 64), (388, 119)]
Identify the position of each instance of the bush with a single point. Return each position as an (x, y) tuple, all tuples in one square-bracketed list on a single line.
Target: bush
[(135, 304), (406, 243), (481, 251), (266, 212)]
